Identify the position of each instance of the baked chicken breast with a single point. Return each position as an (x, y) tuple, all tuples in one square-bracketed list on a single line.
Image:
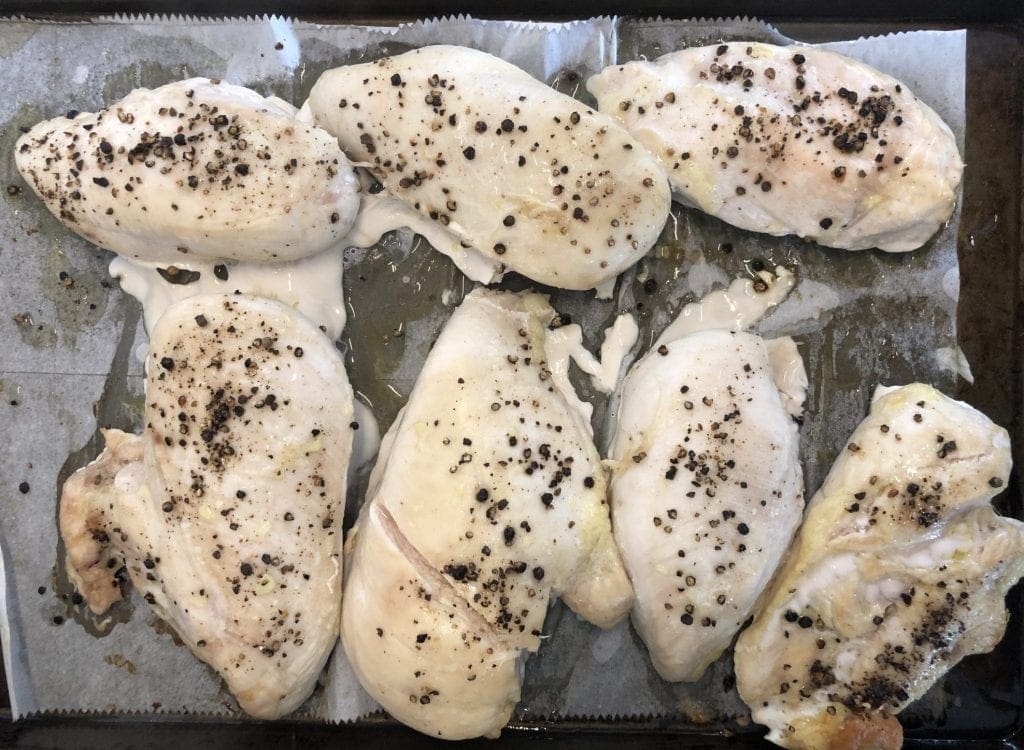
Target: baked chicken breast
[(226, 512), (707, 489), (526, 175), (488, 499), (791, 140), (195, 170), (898, 572)]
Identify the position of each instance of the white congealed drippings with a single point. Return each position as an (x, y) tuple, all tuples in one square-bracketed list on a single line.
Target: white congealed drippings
[(382, 213), (952, 359), (195, 170), (788, 372), (310, 285), (565, 343), (706, 485), (529, 177), (882, 390), (487, 500), (618, 341), (736, 308), (606, 289), (366, 438), (899, 571), (791, 140), (227, 511)]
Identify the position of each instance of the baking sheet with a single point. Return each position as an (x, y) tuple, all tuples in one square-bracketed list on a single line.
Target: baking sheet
[(860, 318)]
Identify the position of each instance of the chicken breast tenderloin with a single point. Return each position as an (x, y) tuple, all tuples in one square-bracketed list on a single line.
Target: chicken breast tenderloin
[(524, 174), (194, 170), (791, 140), (488, 498), (899, 571), (226, 512), (707, 489)]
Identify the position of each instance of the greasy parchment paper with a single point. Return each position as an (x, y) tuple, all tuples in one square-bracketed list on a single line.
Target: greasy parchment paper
[(71, 361)]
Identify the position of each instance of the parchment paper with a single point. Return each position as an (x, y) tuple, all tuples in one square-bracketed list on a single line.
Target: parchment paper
[(70, 362)]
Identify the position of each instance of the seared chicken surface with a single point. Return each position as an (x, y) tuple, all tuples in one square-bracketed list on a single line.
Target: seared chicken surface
[(194, 170), (898, 572), (526, 175), (227, 510), (707, 489), (488, 499), (791, 140)]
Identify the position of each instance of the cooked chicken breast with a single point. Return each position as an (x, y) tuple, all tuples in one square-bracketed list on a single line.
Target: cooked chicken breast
[(194, 170), (707, 489), (226, 512), (791, 140), (898, 572), (524, 174), (488, 498)]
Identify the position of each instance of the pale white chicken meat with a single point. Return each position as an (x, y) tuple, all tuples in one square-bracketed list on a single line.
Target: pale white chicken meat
[(898, 572), (791, 140), (522, 173), (226, 512), (707, 489), (487, 500), (195, 170)]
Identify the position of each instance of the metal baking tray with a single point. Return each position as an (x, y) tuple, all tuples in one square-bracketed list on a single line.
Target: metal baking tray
[(987, 691)]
